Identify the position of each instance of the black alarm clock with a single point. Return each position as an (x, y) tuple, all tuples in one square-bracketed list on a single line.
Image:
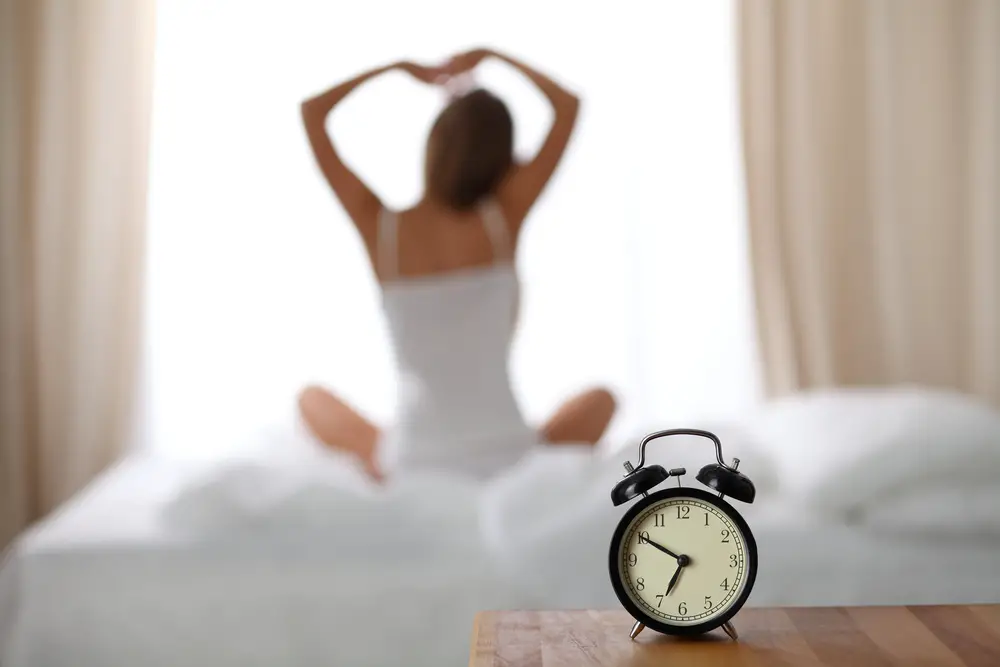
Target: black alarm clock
[(682, 560)]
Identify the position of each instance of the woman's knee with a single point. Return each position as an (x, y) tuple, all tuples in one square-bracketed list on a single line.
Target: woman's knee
[(311, 395), (317, 405), (601, 401), (583, 418), (333, 419)]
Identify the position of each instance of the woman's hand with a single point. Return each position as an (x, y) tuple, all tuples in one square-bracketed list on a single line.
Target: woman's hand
[(431, 75), (463, 62)]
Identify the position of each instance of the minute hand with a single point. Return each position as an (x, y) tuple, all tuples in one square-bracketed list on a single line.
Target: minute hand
[(662, 548)]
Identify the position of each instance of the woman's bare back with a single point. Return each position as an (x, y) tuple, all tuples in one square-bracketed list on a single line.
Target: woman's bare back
[(434, 241)]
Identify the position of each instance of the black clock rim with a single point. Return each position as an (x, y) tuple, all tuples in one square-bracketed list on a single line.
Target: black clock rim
[(646, 619)]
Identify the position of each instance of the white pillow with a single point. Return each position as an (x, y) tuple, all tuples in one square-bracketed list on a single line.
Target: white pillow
[(838, 452), (961, 511)]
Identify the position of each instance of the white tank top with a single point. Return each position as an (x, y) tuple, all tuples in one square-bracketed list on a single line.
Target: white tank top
[(451, 337)]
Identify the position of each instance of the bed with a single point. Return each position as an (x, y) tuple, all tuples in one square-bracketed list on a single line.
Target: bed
[(119, 576)]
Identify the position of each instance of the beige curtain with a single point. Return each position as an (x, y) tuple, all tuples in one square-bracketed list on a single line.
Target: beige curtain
[(75, 92), (872, 143)]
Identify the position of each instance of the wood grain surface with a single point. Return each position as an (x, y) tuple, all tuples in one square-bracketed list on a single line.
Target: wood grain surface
[(952, 636)]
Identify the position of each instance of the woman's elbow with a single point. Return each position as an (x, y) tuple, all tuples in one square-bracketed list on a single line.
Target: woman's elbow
[(305, 108), (571, 106)]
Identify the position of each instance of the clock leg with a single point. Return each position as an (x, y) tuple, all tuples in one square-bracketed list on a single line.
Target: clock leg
[(636, 629), (730, 630)]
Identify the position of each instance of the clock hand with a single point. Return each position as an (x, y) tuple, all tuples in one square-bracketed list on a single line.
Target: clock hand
[(673, 579), (663, 549), (682, 561)]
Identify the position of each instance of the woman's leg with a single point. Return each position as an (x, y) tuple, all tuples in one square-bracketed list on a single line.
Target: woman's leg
[(340, 427), (582, 419)]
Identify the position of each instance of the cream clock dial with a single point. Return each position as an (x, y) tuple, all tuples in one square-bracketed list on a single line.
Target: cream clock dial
[(705, 576)]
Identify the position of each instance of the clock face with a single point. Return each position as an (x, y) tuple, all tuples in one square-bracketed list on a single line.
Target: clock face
[(683, 559)]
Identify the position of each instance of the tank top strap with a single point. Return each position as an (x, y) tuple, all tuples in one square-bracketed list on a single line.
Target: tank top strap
[(496, 228), (388, 244)]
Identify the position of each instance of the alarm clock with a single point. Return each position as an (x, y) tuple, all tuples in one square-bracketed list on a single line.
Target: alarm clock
[(682, 560)]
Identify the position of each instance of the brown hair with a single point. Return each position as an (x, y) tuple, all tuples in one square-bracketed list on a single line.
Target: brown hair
[(470, 149)]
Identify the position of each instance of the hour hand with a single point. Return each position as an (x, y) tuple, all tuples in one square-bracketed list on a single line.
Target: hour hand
[(673, 579)]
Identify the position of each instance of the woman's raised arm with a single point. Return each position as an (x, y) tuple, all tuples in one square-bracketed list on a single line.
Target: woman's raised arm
[(360, 202)]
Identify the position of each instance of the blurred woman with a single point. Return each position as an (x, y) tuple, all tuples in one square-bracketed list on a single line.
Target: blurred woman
[(449, 285)]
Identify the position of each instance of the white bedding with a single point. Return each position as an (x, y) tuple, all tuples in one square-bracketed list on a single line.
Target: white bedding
[(850, 450), (285, 567)]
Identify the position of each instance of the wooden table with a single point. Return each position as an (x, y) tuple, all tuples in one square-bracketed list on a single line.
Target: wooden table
[(926, 636)]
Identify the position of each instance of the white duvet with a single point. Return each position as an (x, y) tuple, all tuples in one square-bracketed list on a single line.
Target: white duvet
[(854, 455), (557, 500)]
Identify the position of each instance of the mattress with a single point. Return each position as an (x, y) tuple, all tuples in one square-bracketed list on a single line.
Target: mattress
[(106, 582)]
